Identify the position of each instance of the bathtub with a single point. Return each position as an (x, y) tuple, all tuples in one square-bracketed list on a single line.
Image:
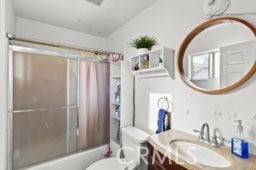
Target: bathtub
[(79, 161)]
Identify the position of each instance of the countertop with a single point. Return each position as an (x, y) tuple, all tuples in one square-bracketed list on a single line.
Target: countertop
[(161, 142)]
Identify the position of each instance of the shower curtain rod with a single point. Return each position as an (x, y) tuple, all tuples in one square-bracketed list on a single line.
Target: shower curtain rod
[(57, 45)]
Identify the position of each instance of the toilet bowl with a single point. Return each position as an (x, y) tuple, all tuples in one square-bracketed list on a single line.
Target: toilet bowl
[(132, 138)]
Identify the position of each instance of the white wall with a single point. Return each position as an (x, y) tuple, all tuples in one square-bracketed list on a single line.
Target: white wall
[(10, 17), (169, 22), (7, 24), (41, 31)]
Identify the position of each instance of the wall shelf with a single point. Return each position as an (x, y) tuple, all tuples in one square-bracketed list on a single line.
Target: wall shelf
[(116, 77), (117, 104), (153, 75), (148, 65), (115, 117), (120, 77)]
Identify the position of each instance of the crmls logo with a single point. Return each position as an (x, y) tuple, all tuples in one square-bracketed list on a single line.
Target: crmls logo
[(173, 156)]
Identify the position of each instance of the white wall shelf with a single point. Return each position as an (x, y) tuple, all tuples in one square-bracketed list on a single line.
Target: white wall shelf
[(148, 65), (120, 75), (117, 104), (116, 77)]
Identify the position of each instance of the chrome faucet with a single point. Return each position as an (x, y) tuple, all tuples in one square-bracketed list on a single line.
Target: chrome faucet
[(216, 141), (204, 137)]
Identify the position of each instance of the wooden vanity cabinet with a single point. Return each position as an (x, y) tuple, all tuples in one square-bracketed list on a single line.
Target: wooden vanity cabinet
[(159, 162)]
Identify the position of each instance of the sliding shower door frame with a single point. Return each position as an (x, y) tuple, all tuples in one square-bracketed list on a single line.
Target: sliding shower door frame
[(11, 112)]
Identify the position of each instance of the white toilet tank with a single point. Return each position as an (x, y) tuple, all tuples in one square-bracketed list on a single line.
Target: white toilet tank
[(132, 140)]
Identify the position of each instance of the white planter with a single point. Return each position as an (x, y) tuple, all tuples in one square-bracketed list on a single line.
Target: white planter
[(142, 51)]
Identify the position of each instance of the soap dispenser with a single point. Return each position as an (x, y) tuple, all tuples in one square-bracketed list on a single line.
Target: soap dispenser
[(239, 146)]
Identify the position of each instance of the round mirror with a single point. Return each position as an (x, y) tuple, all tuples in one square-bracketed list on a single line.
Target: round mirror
[(218, 55)]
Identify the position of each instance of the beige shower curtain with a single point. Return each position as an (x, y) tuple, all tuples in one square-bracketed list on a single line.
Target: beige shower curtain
[(94, 104)]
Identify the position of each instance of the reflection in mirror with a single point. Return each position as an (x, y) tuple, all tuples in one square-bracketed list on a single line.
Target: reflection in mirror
[(204, 65), (220, 56)]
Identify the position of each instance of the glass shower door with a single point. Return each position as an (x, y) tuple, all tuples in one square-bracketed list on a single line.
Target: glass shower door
[(44, 107)]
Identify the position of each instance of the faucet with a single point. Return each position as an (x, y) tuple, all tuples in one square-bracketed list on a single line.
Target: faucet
[(207, 135), (204, 137), (215, 143)]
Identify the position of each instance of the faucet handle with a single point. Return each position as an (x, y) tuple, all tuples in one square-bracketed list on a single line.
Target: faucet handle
[(216, 143), (201, 136), (221, 139), (196, 131)]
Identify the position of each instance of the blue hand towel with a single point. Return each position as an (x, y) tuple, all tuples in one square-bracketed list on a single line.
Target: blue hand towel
[(161, 120)]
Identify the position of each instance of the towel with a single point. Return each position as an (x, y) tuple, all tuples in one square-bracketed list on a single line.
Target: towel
[(161, 124)]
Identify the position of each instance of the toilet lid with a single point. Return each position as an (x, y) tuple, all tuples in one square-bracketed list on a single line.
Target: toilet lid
[(107, 164)]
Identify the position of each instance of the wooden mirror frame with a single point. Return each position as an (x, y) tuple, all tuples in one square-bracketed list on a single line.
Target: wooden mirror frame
[(192, 35)]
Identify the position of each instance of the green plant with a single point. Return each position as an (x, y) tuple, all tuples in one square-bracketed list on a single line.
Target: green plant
[(143, 42)]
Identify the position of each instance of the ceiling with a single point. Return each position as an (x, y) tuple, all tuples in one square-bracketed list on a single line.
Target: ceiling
[(81, 15)]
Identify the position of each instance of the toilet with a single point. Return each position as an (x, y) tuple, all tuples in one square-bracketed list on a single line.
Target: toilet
[(132, 140)]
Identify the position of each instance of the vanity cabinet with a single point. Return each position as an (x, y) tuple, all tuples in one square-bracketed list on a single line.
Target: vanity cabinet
[(157, 161)]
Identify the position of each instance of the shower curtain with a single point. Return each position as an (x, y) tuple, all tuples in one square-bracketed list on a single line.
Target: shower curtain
[(94, 104)]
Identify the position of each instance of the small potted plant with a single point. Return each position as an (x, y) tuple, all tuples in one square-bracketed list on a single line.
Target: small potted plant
[(143, 44)]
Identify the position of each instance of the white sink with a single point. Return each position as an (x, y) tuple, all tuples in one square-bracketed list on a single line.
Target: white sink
[(196, 154)]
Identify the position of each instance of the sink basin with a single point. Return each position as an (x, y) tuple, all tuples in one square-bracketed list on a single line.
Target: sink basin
[(197, 154)]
